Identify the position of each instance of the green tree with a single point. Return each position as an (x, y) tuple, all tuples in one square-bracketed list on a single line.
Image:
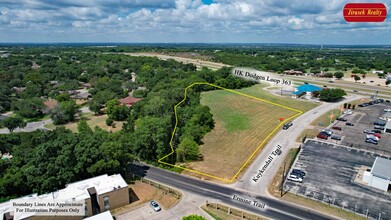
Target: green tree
[(339, 75), (13, 122), (64, 113), (110, 105), (388, 82), (187, 150), (193, 217), (328, 75), (94, 106), (84, 128), (29, 108), (63, 97), (32, 90), (331, 95), (357, 78)]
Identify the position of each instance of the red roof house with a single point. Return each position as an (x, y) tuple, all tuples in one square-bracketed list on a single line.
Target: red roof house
[(129, 101)]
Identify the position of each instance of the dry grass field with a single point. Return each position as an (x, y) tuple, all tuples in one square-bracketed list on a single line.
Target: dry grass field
[(241, 125), (92, 121)]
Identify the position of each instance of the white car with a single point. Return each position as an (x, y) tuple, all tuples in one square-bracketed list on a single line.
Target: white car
[(348, 112), (373, 137), (154, 205), (295, 178), (387, 110)]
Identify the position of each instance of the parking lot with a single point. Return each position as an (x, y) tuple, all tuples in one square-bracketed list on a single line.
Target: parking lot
[(330, 173), (363, 118)]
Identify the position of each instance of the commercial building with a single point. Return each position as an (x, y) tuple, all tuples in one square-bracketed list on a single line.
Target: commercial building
[(380, 175), (99, 194), (306, 89)]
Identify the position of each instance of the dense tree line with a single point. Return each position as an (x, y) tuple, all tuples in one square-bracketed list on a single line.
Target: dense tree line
[(47, 160)]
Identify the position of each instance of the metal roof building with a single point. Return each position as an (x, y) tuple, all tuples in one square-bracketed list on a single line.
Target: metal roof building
[(380, 174), (307, 88)]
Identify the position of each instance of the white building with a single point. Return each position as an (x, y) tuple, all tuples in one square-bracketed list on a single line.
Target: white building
[(98, 194), (380, 174), (102, 216), (387, 128)]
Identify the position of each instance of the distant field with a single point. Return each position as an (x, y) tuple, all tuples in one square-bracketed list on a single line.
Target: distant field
[(241, 125)]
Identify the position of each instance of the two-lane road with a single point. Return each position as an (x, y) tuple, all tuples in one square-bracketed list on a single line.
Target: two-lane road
[(273, 209)]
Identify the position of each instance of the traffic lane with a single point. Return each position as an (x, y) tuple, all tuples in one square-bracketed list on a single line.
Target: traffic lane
[(207, 189)]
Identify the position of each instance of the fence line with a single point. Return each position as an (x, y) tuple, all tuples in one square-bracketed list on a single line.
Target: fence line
[(165, 188)]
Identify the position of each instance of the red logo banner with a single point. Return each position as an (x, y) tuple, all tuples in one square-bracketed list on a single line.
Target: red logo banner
[(365, 12)]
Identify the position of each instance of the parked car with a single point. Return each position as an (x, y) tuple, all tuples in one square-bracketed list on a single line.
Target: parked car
[(378, 127), (331, 81), (348, 112), (367, 131), (336, 128), (298, 172), (373, 137), (336, 137), (377, 135), (323, 136), (327, 132), (376, 131), (371, 141), (355, 91), (363, 105), (295, 178), (387, 110), (154, 205), (380, 122), (342, 119), (349, 124), (388, 101), (287, 125)]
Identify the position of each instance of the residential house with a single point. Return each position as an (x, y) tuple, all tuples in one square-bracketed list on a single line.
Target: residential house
[(129, 101)]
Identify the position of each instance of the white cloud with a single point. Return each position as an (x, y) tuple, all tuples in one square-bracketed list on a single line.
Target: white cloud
[(181, 19)]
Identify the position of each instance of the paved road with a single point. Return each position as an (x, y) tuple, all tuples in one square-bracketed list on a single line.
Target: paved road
[(285, 138), (274, 209), (31, 126)]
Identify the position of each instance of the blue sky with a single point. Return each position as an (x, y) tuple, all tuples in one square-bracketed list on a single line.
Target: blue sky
[(186, 21)]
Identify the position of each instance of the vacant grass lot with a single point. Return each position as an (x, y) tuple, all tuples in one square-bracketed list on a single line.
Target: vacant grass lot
[(241, 125)]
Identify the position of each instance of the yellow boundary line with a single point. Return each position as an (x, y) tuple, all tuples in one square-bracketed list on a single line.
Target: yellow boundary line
[(252, 155)]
